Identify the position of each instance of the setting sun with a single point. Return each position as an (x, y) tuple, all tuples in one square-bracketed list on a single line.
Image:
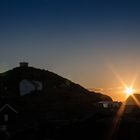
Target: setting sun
[(129, 91)]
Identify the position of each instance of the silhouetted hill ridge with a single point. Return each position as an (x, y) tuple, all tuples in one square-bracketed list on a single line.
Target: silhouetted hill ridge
[(59, 97)]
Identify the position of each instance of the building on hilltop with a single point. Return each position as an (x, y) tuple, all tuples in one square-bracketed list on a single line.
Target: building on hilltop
[(23, 64)]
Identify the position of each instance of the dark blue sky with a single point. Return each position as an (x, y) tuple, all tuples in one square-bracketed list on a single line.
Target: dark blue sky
[(73, 38)]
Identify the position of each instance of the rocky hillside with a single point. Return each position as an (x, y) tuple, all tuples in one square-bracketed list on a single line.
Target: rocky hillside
[(34, 90)]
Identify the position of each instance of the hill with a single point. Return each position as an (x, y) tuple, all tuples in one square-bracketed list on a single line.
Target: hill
[(36, 91)]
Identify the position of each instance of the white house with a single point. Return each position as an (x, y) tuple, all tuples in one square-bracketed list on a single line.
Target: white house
[(109, 104), (105, 104)]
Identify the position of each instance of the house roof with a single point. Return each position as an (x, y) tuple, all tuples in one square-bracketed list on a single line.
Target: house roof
[(133, 99), (10, 107)]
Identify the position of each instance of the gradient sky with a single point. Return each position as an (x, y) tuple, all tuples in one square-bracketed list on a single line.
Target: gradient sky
[(88, 41)]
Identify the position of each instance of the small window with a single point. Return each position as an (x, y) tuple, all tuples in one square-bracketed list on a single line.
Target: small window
[(5, 117)]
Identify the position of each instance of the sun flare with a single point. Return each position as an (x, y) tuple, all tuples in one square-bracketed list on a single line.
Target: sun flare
[(129, 91)]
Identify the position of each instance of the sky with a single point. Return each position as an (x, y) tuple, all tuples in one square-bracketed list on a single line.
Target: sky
[(91, 42)]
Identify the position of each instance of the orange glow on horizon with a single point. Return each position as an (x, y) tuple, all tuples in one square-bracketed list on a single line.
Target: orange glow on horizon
[(127, 89)]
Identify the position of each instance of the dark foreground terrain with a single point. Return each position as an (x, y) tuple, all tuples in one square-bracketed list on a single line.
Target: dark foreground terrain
[(99, 126)]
